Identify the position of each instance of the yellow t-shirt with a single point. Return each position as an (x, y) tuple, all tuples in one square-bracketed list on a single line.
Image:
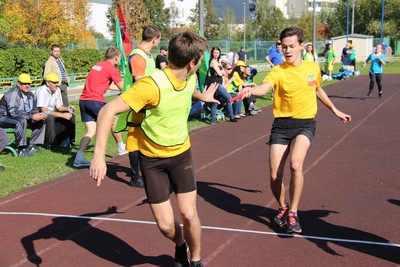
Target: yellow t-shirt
[(295, 89), (144, 94)]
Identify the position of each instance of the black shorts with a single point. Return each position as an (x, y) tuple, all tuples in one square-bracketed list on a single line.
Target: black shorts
[(162, 176), (284, 130), (90, 109)]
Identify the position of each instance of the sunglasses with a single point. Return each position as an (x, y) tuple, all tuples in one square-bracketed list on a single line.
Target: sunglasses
[(25, 83)]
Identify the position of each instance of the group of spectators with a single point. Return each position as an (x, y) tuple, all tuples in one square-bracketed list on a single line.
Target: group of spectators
[(47, 112)]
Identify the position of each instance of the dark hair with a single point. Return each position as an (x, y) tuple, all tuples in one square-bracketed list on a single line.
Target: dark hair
[(112, 52), (150, 32), (292, 31), (212, 52), (185, 47), (54, 46)]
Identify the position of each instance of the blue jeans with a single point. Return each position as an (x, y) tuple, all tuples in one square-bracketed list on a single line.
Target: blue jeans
[(223, 97), (237, 105)]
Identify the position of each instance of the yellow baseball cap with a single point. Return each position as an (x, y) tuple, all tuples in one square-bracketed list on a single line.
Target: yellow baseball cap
[(241, 63), (52, 77), (24, 78)]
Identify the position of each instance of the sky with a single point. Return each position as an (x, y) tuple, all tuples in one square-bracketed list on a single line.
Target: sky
[(98, 19)]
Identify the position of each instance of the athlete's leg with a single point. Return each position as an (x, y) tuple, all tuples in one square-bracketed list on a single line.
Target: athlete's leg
[(277, 157), (298, 152)]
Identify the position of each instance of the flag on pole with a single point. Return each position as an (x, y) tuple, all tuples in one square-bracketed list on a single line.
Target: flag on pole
[(123, 46), (126, 41)]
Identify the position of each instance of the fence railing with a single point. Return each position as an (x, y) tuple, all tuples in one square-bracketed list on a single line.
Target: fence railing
[(76, 79)]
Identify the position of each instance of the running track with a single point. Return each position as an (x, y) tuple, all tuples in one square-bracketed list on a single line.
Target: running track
[(350, 207)]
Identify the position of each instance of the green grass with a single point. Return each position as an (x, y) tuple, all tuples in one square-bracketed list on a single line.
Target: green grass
[(24, 172)]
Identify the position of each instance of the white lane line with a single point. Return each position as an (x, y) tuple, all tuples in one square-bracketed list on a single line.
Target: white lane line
[(236, 230)]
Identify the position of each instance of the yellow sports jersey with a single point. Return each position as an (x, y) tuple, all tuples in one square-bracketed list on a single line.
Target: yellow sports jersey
[(144, 94), (295, 89)]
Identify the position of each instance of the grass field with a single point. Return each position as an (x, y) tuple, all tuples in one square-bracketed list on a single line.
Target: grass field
[(23, 172)]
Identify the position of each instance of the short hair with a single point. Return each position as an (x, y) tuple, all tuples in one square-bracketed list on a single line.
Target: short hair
[(292, 31), (150, 32), (112, 52), (185, 47), (55, 46)]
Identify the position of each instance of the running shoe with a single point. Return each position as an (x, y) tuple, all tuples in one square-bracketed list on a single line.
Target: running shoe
[(33, 148), (79, 163), (293, 223), (136, 181), (280, 219), (24, 153), (181, 257), (196, 264)]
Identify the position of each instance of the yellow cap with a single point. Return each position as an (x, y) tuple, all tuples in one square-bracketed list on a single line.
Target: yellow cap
[(52, 77), (24, 78), (241, 63)]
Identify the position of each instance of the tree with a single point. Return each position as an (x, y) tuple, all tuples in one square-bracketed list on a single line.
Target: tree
[(139, 14), (42, 23), (159, 16), (269, 21), (227, 24), (211, 23), (368, 14)]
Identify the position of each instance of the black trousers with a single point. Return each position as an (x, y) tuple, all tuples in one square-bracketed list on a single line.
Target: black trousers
[(375, 77), (59, 129)]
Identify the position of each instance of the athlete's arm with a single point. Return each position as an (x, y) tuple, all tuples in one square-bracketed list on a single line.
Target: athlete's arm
[(258, 90), (98, 167), (323, 97)]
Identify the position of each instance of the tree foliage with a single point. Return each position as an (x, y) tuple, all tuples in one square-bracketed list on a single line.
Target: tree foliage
[(41, 23), (139, 14), (269, 21), (211, 23), (228, 24), (367, 18)]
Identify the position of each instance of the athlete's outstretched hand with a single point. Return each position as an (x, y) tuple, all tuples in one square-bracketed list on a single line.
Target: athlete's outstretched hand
[(98, 169), (208, 94)]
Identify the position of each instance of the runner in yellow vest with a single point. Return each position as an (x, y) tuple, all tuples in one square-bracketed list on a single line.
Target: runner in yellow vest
[(141, 63), (163, 142)]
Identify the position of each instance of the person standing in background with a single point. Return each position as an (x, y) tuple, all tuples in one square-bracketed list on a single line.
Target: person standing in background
[(242, 55), (141, 64), (162, 58), (330, 56), (378, 59), (56, 65)]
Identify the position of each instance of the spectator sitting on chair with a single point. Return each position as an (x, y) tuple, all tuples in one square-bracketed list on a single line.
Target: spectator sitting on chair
[(240, 80), (60, 122), (18, 110), (3, 142)]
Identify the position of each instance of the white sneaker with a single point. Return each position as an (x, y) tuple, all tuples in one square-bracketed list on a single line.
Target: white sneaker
[(122, 150)]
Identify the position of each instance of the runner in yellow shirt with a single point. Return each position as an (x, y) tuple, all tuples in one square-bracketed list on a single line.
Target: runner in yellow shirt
[(297, 86)]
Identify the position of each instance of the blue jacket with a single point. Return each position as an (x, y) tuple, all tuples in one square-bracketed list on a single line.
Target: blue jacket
[(13, 105)]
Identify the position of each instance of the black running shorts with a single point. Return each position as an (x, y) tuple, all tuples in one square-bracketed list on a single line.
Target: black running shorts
[(162, 176), (284, 130)]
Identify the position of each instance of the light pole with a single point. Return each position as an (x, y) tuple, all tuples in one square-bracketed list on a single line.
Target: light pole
[(383, 19), (201, 18), (352, 18), (244, 26)]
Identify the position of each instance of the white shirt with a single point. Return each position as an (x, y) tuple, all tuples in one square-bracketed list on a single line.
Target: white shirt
[(44, 98)]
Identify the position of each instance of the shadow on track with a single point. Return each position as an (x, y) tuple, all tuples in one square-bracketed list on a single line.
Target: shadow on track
[(98, 242), (314, 225)]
